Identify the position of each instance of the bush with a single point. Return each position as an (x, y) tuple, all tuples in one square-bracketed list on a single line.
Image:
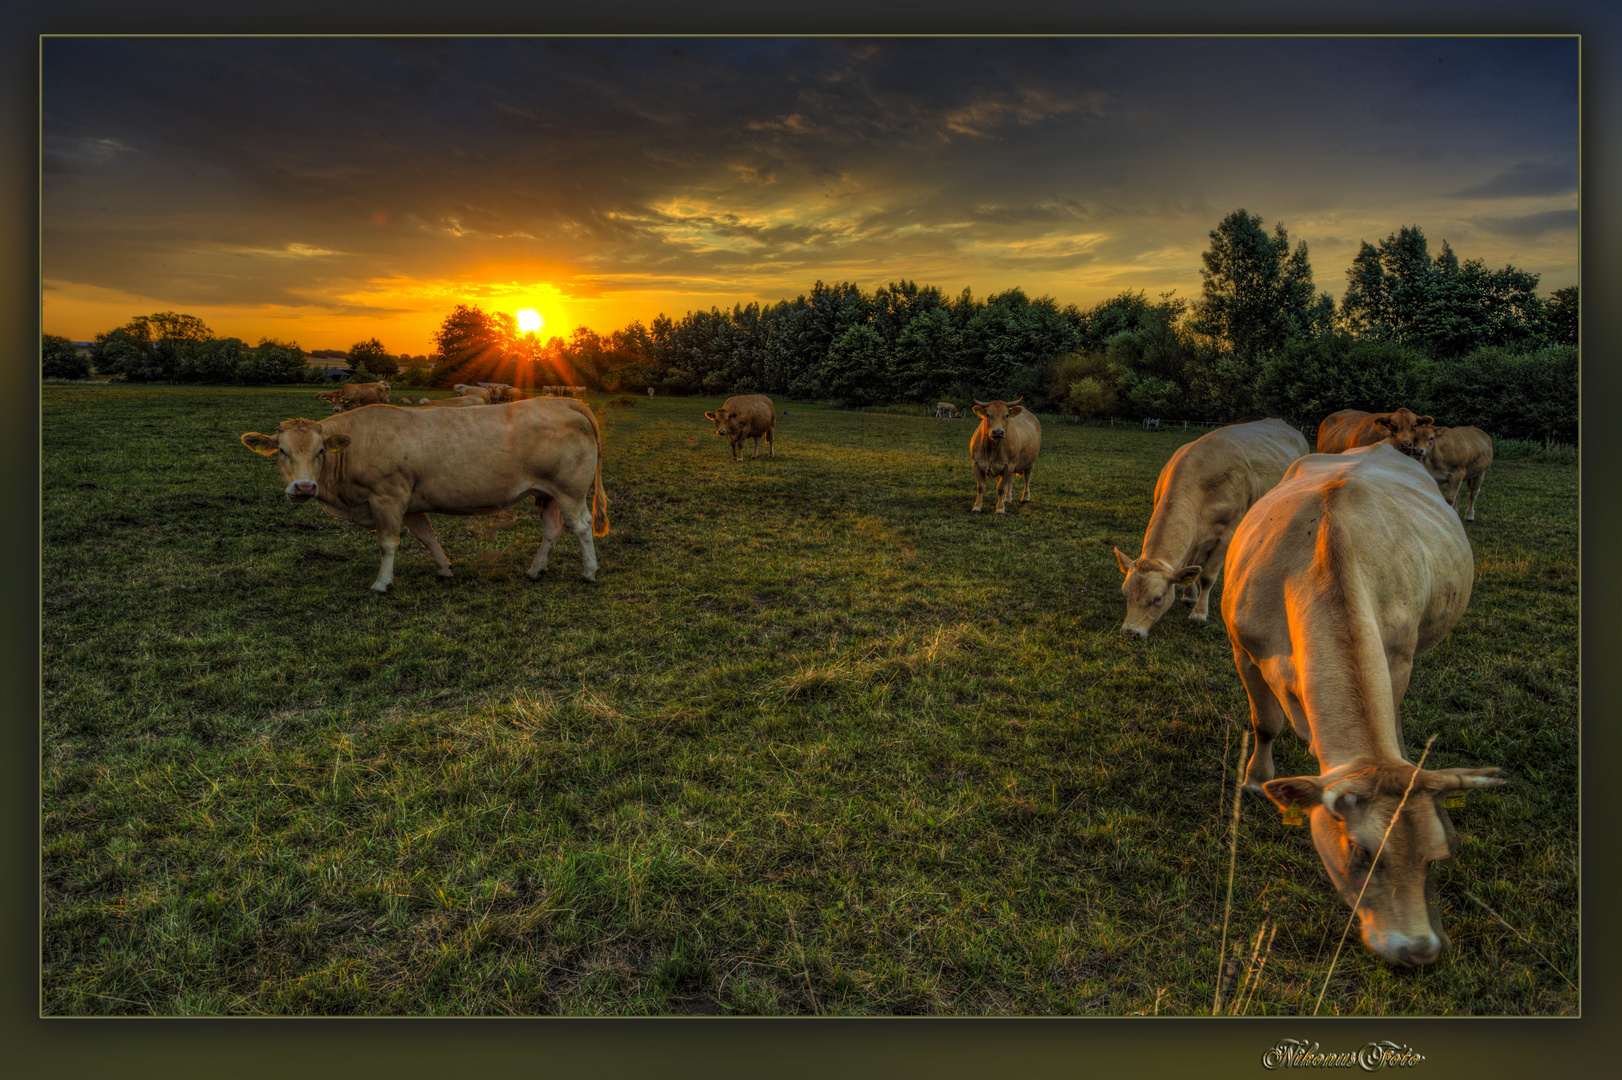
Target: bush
[(273, 362), (1509, 395), (214, 361), (1308, 380), (58, 359)]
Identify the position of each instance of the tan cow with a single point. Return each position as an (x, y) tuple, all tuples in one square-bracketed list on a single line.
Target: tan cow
[(384, 467), (747, 416), (1004, 446), (1201, 495), (945, 410), (1456, 455), (451, 402), (1403, 429), (471, 391), (1337, 579)]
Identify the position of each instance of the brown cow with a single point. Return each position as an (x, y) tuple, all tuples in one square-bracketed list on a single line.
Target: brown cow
[(1456, 455), (385, 467), (354, 395), (1403, 429), (1201, 495), (747, 416), (945, 410), (1337, 579), (1004, 446)]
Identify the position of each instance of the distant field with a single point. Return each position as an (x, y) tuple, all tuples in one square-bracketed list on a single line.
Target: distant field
[(819, 741)]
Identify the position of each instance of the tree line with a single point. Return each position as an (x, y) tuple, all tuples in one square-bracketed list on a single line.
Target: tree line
[(1468, 344)]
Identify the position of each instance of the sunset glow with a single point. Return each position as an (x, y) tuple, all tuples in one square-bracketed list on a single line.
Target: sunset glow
[(530, 321)]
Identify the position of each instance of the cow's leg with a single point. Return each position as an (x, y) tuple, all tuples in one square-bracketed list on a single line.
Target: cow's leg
[(1205, 583), (756, 455), (579, 518), (418, 524), (1453, 489), (737, 451), (979, 487), (387, 519), (1266, 720), (1025, 493), (1475, 488), (1005, 484), (771, 447), (551, 529)]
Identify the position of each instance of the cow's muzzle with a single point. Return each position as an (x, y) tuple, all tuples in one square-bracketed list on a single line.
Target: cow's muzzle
[(997, 433), (302, 489)]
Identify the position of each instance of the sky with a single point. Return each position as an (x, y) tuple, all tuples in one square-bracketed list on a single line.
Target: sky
[(332, 190)]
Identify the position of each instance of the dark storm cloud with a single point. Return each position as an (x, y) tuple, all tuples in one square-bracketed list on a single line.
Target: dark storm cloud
[(282, 170)]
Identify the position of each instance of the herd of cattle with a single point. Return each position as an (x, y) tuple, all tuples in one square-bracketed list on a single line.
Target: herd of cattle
[(1343, 566)]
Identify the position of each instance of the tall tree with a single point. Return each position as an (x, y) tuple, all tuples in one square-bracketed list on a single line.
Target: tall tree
[(476, 347), (1258, 294), (371, 355), (1562, 313), (59, 359)]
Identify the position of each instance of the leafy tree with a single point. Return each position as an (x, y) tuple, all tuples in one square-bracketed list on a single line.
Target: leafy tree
[(272, 362), (1258, 293), (1508, 394), (371, 355), (856, 370), (1387, 286), (927, 357), (214, 361), (59, 359), (1562, 316), (1083, 383), (126, 351), (478, 347)]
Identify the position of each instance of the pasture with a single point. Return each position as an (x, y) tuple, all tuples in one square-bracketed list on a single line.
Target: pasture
[(818, 741)]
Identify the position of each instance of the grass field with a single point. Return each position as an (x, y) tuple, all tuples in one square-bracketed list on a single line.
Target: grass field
[(818, 741)]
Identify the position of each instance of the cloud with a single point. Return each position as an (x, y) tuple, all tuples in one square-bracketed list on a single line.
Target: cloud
[(1524, 179), (1531, 225)]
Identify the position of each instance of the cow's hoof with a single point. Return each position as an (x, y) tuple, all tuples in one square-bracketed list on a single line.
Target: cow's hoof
[(589, 579), (380, 589), (446, 573), (974, 509), (1195, 616), (535, 575), (1002, 510)]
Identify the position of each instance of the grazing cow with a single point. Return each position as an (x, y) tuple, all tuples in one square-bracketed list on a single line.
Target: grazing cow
[(503, 393), (451, 402), (354, 395), (945, 410), (1201, 495), (747, 416), (1337, 579), (1151, 423), (1004, 446), (471, 391), (1458, 454), (1403, 429), (381, 468)]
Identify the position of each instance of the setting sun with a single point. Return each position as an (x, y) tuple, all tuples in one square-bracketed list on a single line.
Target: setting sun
[(529, 320)]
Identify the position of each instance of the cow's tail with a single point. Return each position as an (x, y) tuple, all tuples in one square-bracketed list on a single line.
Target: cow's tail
[(599, 497)]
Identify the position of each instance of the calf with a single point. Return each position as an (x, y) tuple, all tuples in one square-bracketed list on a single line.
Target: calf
[(384, 467), (747, 416), (1004, 446), (1201, 495), (1457, 455), (1337, 579)]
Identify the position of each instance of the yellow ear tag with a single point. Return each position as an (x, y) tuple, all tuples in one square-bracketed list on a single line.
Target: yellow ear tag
[(1292, 815), (1453, 799)]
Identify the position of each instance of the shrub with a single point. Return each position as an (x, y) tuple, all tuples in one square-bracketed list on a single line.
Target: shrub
[(1510, 395), (60, 360), (1308, 380)]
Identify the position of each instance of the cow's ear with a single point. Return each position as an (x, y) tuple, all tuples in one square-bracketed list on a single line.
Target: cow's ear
[(1386, 422), (979, 410), (1423, 420), (261, 444), (709, 416), (1185, 573), (1015, 410), (1291, 791), (335, 443), (1123, 562)]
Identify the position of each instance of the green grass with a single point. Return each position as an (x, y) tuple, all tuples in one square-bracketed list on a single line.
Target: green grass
[(819, 741)]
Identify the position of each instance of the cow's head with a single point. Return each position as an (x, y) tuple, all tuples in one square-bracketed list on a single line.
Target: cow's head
[(728, 424), (1350, 814), (996, 414), (301, 449), (1403, 430), (1150, 588)]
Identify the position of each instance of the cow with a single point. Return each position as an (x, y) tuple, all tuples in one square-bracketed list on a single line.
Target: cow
[(945, 410), (502, 393), (353, 395), (1404, 429), (472, 391), (650, 391), (451, 402), (1201, 495), (1456, 455), (1004, 446), (747, 416), (386, 466), (1151, 423), (1338, 579)]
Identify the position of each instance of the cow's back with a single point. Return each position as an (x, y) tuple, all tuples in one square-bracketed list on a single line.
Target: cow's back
[(1234, 464), (1343, 430), (1363, 532), (1463, 450), (757, 412)]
